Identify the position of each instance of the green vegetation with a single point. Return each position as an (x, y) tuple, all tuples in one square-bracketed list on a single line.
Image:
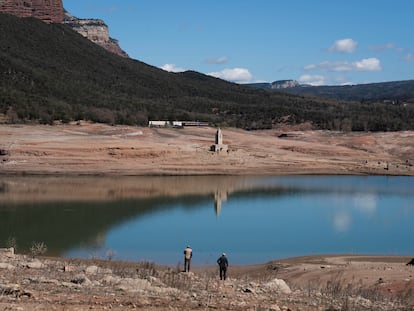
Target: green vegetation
[(49, 72), (38, 248), (395, 92)]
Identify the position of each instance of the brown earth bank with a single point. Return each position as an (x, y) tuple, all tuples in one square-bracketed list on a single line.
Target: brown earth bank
[(343, 282), (97, 149)]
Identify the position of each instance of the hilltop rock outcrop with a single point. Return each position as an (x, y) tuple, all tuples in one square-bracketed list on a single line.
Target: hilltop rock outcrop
[(283, 84), (49, 11), (96, 31)]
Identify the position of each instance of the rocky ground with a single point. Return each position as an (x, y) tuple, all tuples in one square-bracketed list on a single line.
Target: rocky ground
[(307, 283), (89, 148)]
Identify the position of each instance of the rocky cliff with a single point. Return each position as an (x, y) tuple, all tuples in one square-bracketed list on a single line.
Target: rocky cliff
[(50, 11), (95, 30)]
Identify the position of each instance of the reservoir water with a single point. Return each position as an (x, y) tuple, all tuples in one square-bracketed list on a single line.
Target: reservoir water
[(254, 219)]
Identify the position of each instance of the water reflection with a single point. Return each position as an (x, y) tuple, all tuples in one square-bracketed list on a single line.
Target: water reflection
[(90, 188), (219, 197), (256, 218)]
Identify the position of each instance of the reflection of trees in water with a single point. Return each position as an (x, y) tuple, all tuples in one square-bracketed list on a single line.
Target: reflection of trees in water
[(65, 212), (62, 226), (96, 241), (90, 188), (3, 187), (65, 224)]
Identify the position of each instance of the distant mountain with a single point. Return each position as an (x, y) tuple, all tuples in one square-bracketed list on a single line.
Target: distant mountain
[(276, 85), (391, 92), (56, 74)]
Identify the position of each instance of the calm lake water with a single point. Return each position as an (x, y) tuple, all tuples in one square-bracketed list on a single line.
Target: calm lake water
[(252, 219)]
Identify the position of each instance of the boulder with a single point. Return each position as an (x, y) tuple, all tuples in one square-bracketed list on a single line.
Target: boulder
[(7, 252), (133, 285), (81, 279), (4, 265), (69, 268), (278, 285), (35, 265), (91, 270)]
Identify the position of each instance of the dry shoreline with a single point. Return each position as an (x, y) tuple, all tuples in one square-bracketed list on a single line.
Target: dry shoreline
[(98, 149)]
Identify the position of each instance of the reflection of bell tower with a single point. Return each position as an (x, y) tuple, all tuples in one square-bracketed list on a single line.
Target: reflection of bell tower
[(219, 197)]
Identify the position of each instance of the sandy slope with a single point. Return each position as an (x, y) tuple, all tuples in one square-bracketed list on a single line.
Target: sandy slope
[(121, 150)]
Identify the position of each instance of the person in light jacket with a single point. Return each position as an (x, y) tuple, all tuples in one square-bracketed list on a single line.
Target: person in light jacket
[(223, 264), (188, 254)]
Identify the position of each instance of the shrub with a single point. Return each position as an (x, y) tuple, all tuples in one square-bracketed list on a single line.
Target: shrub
[(38, 248)]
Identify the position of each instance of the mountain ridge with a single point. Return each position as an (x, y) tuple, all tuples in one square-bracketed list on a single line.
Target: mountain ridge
[(390, 91), (57, 74)]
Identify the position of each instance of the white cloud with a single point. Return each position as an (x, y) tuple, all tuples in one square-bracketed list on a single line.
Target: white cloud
[(111, 9), (341, 80), (172, 68), (314, 80), (344, 46), (409, 57), (388, 46), (366, 64), (238, 75), (342, 221), (218, 60), (366, 202)]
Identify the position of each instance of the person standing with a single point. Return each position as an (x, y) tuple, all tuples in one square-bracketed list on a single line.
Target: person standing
[(188, 254), (223, 264)]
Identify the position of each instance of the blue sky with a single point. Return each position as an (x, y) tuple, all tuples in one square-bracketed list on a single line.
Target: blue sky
[(319, 42)]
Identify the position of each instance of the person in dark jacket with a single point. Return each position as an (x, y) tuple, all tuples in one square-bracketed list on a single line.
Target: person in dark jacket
[(188, 254), (223, 264)]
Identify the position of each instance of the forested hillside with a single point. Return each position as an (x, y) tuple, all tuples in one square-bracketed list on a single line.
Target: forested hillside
[(49, 72)]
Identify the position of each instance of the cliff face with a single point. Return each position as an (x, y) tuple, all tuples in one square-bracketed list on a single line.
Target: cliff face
[(49, 11), (96, 31)]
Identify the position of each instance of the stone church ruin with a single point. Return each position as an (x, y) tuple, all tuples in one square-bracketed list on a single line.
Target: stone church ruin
[(218, 145)]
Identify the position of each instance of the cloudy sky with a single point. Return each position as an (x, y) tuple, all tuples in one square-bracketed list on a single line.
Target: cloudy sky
[(319, 42)]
